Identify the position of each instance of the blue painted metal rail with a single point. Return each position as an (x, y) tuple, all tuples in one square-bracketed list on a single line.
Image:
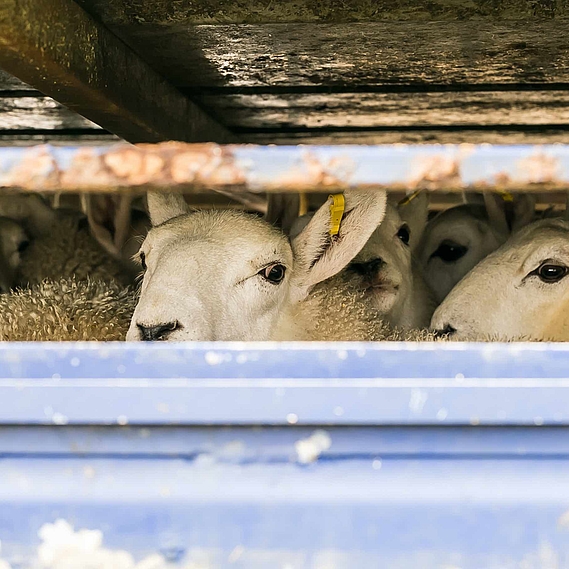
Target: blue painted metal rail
[(270, 384), (285, 168), (301, 455)]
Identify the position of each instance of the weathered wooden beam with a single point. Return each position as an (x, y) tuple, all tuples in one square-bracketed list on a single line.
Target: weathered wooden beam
[(39, 113), (56, 47), (492, 135), (353, 55), (284, 11), (391, 109), (199, 167)]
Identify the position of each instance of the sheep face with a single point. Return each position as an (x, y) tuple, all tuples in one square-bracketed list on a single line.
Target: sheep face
[(453, 243), (222, 275), (212, 276), (520, 290), (386, 271), (383, 267), (13, 241), (460, 237)]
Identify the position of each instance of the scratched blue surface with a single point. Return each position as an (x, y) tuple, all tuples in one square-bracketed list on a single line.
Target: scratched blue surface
[(238, 497), (440, 455)]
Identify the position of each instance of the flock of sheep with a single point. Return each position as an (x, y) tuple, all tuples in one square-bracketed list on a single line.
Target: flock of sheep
[(491, 269)]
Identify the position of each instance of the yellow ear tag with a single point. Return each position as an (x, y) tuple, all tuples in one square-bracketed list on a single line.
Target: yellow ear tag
[(507, 196), (410, 197), (336, 212)]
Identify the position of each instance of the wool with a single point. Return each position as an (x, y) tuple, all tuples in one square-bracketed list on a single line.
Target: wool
[(67, 310)]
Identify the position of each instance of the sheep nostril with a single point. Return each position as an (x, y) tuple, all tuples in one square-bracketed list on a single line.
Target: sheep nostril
[(447, 331), (375, 265), (158, 332)]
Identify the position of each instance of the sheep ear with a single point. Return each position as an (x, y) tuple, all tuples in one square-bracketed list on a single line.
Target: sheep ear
[(496, 210), (414, 211), (109, 218), (524, 210), (163, 206), (318, 255), (30, 210), (283, 210)]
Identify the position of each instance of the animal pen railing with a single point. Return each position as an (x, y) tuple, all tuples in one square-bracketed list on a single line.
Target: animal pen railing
[(285, 455)]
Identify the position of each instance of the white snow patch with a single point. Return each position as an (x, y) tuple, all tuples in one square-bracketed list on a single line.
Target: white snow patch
[(563, 520), (309, 449), (60, 419), (292, 418), (213, 358), (417, 400), (64, 548)]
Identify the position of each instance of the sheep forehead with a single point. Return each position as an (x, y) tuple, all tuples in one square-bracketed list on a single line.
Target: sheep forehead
[(542, 230), (10, 230), (215, 236), (524, 252), (11, 235), (388, 228), (459, 226), (384, 242)]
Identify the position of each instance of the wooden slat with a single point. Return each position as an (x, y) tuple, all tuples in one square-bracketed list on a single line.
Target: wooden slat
[(11, 84), (410, 136), (166, 12), (58, 138), (43, 113), (391, 109), (59, 49), (377, 53)]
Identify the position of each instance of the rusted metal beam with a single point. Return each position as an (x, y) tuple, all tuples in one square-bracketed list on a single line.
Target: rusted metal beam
[(56, 47), (199, 167)]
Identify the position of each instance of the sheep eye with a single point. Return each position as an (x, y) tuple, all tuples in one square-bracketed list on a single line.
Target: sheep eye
[(404, 234), (23, 246), (450, 252), (273, 273), (551, 273), (142, 257)]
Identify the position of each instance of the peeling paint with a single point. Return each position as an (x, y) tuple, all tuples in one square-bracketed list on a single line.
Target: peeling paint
[(206, 166)]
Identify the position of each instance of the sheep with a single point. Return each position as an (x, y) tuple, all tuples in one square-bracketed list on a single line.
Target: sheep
[(458, 238), (13, 242), (61, 244), (386, 268), (67, 310), (69, 250), (226, 275), (521, 291)]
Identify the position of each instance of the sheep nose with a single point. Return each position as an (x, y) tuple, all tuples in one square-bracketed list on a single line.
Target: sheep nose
[(374, 266), (158, 332), (447, 331), (369, 268)]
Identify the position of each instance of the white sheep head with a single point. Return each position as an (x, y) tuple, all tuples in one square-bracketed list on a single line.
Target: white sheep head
[(460, 237), (226, 275), (519, 291), (384, 268)]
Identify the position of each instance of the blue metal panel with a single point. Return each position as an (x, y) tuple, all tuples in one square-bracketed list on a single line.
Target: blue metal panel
[(209, 472), (375, 384), (410, 507)]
